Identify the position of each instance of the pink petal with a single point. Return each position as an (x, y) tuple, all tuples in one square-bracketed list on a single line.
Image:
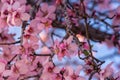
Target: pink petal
[(3, 1), (25, 16), (34, 38), (78, 69), (9, 19), (69, 40), (22, 2), (16, 5), (80, 78), (2, 23), (2, 67), (51, 9), (40, 26), (43, 36), (16, 22), (44, 7), (57, 69), (108, 70), (7, 73), (70, 70), (21, 9), (51, 16), (45, 50)]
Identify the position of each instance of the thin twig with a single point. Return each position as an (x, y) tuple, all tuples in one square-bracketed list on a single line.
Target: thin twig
[(11, 43)]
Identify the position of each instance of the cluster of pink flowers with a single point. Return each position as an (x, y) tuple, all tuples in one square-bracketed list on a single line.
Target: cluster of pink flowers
[(13, 12), (32, 56), (65, 48)]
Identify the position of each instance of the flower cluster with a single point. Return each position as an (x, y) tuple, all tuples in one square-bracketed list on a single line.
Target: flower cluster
[(34, 54), (13, 12)]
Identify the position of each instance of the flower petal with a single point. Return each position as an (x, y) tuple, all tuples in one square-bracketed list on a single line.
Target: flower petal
[(25, 16)]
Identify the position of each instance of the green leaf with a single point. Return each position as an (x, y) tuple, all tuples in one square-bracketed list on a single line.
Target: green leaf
[(86, 53)]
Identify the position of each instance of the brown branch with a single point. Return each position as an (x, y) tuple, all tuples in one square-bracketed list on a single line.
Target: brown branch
[(91, 75), (24, 24), (11, 43), (81, 29), (43, 54), (12, 59)]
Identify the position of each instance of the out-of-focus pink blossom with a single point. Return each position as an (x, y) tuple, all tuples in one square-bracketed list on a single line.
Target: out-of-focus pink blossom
[(2, 66), (49, 71), (46, 11), (14, 12), (71, 74), (106, 72), (66, 48)]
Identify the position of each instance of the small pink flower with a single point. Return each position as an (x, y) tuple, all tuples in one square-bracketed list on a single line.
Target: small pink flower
[(7, 73), (107, 72), (49, 71), (30, 37), (2, 67), (45, 15), (46, 11), (5, 37), (3, 23), (66, 48), (70, 74), (20, 15), (18, 68), (45, 24), (14, 12)]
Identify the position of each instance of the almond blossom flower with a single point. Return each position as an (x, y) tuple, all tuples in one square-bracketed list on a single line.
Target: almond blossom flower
[(104, 5), (7, 53), (70, 74), (30, 47), (116, 19), (116, 76), (3, 23), (2, 66), (7, 73), (14, 12), (66, 48), (31, 34), (26, 49), (45, 24), (106, 73), (30, 38), (5, 37), (19, 69), (49, 71), (23, 69), (19, 16), (46, 11), (46, 15)]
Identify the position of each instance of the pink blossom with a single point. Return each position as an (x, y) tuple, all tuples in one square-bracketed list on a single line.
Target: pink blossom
[(116, 19), (7, 53), (107, 72), (18, 68), (14, 12), (46, 11), (70, 74), (30, 37), (18, 17), (5, 37), (7, 73), (2, 66), (49, 71), (66, 48), (3, 23), (45, 15), (45, 24), (28, 48)]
